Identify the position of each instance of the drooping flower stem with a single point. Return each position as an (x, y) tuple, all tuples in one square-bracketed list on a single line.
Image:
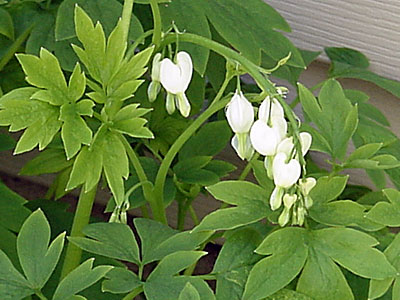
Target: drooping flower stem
[(157, 23), (81, 219), (215, 106), (250, 67)]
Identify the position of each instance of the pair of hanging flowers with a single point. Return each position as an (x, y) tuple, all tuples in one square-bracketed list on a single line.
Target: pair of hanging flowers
[(175, 78), (268, 135)]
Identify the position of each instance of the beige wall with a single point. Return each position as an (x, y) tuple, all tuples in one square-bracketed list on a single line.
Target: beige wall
[(371, 26)]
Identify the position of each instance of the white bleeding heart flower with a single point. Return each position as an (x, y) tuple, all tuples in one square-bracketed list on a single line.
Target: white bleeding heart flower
[(276, 110), (284, 217), (285, 173), (240, 113), (241, 143), (289, 200), (265, 139), (307, 184), (175, 78), (275, 201)]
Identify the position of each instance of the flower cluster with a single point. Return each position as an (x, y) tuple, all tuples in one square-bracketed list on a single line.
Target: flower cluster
[(269, 136), (175, 78)]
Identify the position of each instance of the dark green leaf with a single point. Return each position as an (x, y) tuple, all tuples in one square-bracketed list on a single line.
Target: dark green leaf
[(79, 279), (109, 239), (387, 213), (11, 204), (13, 286), (6, 24), (347, 56), (322, 279), (354, 251), (120, 280), (328, 189), (37, 258), (214, 134), (6, 142), (288, 253)]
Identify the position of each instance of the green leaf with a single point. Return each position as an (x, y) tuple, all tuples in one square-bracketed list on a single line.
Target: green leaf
[(219, 167), (128, 121), (6, 24), (96, 10), (109, 239), (75, 131), (214, 134), (38, 118), (226, 16), (260, 173), (120, 281), (45, 72), (322, 279), (354, 251), (230, 218), (234, 262), (387, 213), (46, 162), (238, 192), (286, 294), (288, 253), (365, 151), (13, 286), (79, 279), (37, 258), (12, 206), (333, 114), (162, 285), (347, 56), (189, 293), (343, 213), (159, 240), (328, 189), (188, 16)]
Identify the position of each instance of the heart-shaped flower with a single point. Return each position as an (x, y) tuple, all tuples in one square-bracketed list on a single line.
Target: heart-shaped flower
[(286, 145), (274, 106), (285, 173), (264, 138)]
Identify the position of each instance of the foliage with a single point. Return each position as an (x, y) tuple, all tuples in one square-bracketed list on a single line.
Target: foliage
[(99, 108)]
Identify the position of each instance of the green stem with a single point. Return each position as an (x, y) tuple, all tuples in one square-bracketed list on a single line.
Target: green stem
[(15, 46), (40, 295), (126, 17), (215, 106), (133, 294), (156, 207), (193, 215), (139, 40), (248, 167), (81, 219), (157, 22)]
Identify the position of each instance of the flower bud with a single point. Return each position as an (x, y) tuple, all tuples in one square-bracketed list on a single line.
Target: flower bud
[(285, 173), (307, 184), (289, 200), (183, 104), (155, 70), (240, 113), (284, 217), (153, 90)]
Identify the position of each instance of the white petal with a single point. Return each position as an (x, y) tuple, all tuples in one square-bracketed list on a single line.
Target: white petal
[(285, 174), (183, 104), (240, 113), (306, 140), (246, 151), (307, 184), (155, 70), (170, 76), (275, 201), (276, 112), (184, 62), (263, 138), (280, 126), (284, 217)]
